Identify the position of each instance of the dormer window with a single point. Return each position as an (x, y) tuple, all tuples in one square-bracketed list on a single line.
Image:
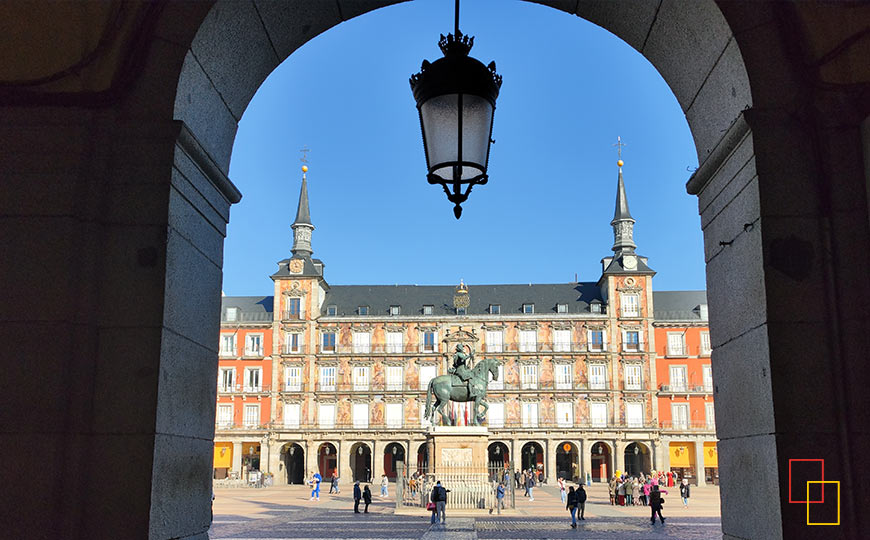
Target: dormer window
[(362, 310), (460, 311), (232, 313), (528, 308), (495, 309), (331, 311), (428, 310), (595, 306), (395, 310), (561, 308)]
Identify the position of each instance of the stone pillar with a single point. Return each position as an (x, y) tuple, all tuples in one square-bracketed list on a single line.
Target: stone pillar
[(237, 458), (619, 456), (377, 461), (699, 461), (585, 459), (310, 460), (345, 473), (655, 458), (550, 460), (665, 454), (274, 465)]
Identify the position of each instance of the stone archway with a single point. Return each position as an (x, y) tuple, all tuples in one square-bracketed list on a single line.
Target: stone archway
[(602, 462), (327, 460), (393, 454), (293, 462), (637, 459), (568, 461), (157, 218), (361, 462)]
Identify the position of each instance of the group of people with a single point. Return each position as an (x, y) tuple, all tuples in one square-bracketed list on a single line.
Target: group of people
[(527, 480), (646, 490)]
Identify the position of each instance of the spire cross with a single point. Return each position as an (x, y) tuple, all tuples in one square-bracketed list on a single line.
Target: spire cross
[(619, 144), (304, 150)]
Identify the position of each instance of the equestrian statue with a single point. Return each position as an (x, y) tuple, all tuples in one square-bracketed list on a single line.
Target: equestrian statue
[(461, 385)]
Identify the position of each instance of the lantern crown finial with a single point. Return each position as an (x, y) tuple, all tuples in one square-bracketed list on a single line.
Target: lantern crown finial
[(456, 44)]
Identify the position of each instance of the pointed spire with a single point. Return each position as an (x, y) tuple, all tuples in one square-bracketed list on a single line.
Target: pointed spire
[(302, 227), (623, 223), (302, 213)]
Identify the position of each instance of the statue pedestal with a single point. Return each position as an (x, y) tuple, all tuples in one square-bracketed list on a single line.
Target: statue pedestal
[(458, 447)]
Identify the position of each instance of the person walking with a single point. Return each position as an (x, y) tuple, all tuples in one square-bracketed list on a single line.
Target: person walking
[(315, 486), (571, 506), (655, 504), (367, 498), (412, 485), (561, 483), (635, 491), (530, 487), (647, 486), (499, 498), (357, 495), (612, 489), (332, 483), (525, 480), (517, 479), (620, 492), (581, 501), (684, 492), (439, 497), (385, 482)]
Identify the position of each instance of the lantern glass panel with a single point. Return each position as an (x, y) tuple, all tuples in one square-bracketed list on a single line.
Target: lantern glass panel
[(440, 126)]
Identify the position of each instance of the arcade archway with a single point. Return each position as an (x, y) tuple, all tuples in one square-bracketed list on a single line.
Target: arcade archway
[(393, 454), (602, 465), (532, 457), (498, 455), (638, 459), (568, 461), (327, 460), (361, 462), (293, 462)]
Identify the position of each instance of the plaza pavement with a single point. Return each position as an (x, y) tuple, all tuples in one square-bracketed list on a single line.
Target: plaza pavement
[(286, 513)]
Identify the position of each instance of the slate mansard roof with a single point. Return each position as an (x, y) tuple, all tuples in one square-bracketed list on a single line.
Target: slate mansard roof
[(668, 305), (411, 298), (679, 305)]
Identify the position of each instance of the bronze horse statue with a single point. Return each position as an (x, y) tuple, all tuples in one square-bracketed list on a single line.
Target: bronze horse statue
[(447, 388)]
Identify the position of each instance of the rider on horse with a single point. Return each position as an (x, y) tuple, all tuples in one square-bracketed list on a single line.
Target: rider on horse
[(461, 369)]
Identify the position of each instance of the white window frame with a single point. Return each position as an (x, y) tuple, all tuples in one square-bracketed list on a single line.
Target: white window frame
[(327, 378), (596, 419), (360, 420), (528, 309), (362, 342), (395, 418), (597, 376), (635, 419), (710, 414), (326, 415), (293, 342), (427, 348), (494, 384), (564, 414), (494, 341), (629, 347), (323, 348), (530, 412), (289, 312), (676, 420), (676, 349), (331, 310), (707, 371), (561, 340), (529, 376), (706, 344), (394, 342), (680, 383), (258, 387), (228, 344), (394, 377), (528, 340), (495, 309), (292, 378), (630, 304), (254, 344), (564, 376), (591, 345), (224, 415), (289, 421), (428, 310), (424, 381), (561, 308), (251, 419), (395, 311), (232, 314), (633, 377), (495, 414), (222, 379), (361, 378)]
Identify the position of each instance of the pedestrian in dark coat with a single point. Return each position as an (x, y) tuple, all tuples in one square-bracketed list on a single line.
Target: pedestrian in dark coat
[(357, 495), (367, 498), (655, 504), (684, 492), (572, 506), (581, 501)]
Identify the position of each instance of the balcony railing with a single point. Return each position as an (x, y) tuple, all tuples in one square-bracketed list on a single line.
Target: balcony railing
[(288, 349), (219, 426), (253, 353), (677, 351), (292, 386), (376, 348), (291, 316), (685, 389), (244, 389), (415, 424), (687, 426), (404, 386)]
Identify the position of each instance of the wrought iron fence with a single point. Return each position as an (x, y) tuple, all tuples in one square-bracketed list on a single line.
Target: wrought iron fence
[(468, 487)]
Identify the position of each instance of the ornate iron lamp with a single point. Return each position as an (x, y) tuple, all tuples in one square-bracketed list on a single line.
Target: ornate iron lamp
[(456, 98)]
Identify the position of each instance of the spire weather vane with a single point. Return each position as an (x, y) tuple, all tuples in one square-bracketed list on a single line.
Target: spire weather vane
[(304, 150), (619, 144)]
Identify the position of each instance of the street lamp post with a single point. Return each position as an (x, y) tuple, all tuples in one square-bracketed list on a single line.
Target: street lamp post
[(456, 98)]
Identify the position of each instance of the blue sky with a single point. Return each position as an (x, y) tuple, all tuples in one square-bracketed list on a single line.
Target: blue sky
[(570, 88)]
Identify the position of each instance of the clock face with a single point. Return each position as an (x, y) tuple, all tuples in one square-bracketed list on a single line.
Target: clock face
[(629, 262), (296, 266)]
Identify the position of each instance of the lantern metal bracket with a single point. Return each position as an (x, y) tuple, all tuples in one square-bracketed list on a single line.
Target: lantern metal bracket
[(457, 197)]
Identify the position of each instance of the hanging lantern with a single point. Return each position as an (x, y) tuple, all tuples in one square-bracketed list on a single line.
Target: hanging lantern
[(292, 450), (456, 98), (326, 450), (359, 450), (636, 450), (395, 450)]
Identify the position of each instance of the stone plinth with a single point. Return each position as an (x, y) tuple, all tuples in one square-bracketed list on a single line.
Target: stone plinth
[(458, 447)]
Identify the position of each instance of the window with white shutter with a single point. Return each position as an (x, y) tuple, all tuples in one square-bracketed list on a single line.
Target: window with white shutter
[(630, 306), (632, 377), (427, 373), (252, 380), (561, 340), (494, 341), (394, 342), (327, 378), (711, 415), (254, 345), (634, 414), (529, 376), (362, 342), (708, 378), (564, 376), (680, 415), (564, 414), (225, 415), (361, 378), (530, 414), (326, 415), (678, 378), (291, 415), (227, 379), (360, 415), (597, 377), (706, 347), (598, 414), (528, 340), (228, 344), (292, 379), (394, 377), (676, 344), (495, 415), (394, 415), (252, 415)]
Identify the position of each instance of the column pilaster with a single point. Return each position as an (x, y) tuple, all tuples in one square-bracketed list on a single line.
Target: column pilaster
[(699, 461), (237, 458)]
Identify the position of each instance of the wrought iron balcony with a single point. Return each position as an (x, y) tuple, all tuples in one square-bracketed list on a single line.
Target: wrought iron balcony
[(687, 426), (288, 349)]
